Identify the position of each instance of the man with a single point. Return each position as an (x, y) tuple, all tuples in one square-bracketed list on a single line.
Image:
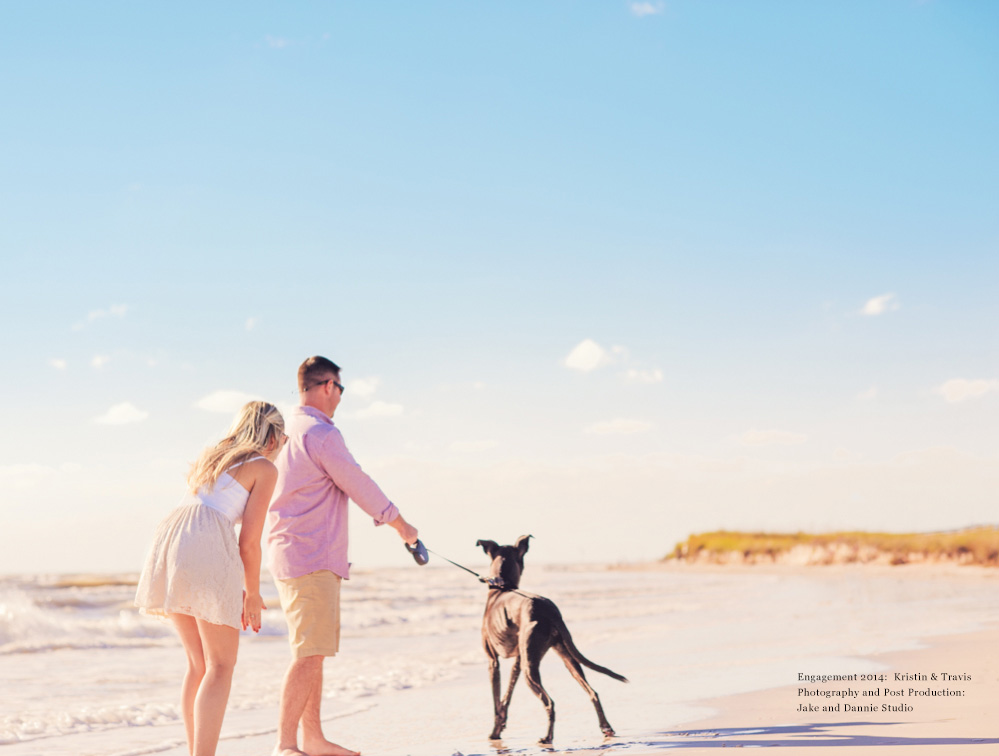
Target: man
[(308, 548)]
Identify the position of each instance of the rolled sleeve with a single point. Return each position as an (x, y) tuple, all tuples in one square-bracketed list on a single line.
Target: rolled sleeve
[(339, 464)]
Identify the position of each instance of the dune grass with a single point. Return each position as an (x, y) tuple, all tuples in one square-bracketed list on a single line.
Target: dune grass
[(979, 545)]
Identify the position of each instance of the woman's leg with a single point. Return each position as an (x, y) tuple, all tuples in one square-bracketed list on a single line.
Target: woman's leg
[(220, 644), (187, 629)]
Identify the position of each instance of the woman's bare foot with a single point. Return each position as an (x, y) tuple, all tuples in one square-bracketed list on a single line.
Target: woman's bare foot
[(324, 747), (288, 752)]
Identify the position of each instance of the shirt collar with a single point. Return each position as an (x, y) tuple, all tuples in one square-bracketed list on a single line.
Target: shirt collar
[(313, 412)]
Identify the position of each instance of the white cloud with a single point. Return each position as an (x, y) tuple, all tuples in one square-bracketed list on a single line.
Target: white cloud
[(364, 387), (587, 355), (880, 304), (960, 389), (646, 9), (380, 409), (278, 43), (644, 376), (28, 475), (619, 427), (771, 438), (57, 363), (117, 311), (99, 361), (225, 401), (21, 476), (251, 323), (868, 394), (473, 446), (286, 408), (122, 414)]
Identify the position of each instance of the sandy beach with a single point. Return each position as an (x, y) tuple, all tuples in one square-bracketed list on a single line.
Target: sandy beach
[(767, 718), (714, 657), (934, 725)]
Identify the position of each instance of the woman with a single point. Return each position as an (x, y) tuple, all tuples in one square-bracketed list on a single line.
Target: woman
[(199, 576)]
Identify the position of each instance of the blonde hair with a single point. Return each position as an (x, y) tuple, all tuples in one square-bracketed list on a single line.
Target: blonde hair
[(250, 434)]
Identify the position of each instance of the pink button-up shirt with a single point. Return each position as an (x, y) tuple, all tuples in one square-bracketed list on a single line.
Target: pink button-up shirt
[(308, 513)]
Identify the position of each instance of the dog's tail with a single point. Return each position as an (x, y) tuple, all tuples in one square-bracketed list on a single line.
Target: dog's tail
[(566, 638)]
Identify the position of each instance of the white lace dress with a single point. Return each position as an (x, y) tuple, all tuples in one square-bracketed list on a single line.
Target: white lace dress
[(194, 565)]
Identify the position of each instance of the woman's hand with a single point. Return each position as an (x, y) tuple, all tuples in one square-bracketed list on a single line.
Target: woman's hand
[(253, 607)]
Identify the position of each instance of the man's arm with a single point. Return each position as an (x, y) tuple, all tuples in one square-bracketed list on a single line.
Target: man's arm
[(406, 531), (344, 471)]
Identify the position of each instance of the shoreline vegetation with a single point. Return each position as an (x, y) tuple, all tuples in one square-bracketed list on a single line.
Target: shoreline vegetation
[(972, 546)]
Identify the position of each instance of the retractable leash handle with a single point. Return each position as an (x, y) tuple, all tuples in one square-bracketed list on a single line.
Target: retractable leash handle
[(419, 552)]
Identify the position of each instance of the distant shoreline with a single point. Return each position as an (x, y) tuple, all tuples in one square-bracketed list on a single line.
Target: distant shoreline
[(972, 546)]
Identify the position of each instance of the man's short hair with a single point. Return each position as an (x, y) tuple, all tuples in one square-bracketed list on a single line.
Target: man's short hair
[(315, 370)]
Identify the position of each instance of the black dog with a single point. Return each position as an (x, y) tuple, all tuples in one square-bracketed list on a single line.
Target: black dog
[(525, 626)]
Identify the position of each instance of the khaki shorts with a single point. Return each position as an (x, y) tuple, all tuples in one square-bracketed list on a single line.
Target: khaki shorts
[(311, 605)]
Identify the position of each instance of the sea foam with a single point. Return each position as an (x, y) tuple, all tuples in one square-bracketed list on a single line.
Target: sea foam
[(32, 620)]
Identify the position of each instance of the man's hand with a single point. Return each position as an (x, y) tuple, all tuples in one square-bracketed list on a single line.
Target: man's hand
[(406, 531)]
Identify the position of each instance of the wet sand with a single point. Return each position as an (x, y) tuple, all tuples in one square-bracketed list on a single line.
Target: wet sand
[(934, 725), (453, 717)]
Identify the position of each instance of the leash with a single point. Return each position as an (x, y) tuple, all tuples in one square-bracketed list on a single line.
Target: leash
[(461, 567), (419, 552)]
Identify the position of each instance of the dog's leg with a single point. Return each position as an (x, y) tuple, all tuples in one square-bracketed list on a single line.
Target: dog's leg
[(532, 648), (499, 713), (577, 672), (504, 705)]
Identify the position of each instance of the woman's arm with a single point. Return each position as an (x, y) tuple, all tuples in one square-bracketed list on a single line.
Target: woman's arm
[(261, 488)]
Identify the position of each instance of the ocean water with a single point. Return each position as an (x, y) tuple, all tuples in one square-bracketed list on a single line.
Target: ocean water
[(76, 656), (80, 666)]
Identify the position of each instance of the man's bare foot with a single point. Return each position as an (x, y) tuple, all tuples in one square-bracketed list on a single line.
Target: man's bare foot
[(324, 747)]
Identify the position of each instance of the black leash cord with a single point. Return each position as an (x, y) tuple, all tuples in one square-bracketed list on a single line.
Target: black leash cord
[(482, 579), (491, 582)]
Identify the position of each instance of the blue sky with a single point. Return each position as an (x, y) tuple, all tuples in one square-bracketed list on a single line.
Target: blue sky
[(609, 273)]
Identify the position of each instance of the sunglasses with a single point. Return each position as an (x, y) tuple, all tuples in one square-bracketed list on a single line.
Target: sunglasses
[(328, 380)]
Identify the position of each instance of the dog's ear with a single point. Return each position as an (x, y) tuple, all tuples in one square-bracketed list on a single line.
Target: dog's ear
[(522, 544), (490, 547)]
